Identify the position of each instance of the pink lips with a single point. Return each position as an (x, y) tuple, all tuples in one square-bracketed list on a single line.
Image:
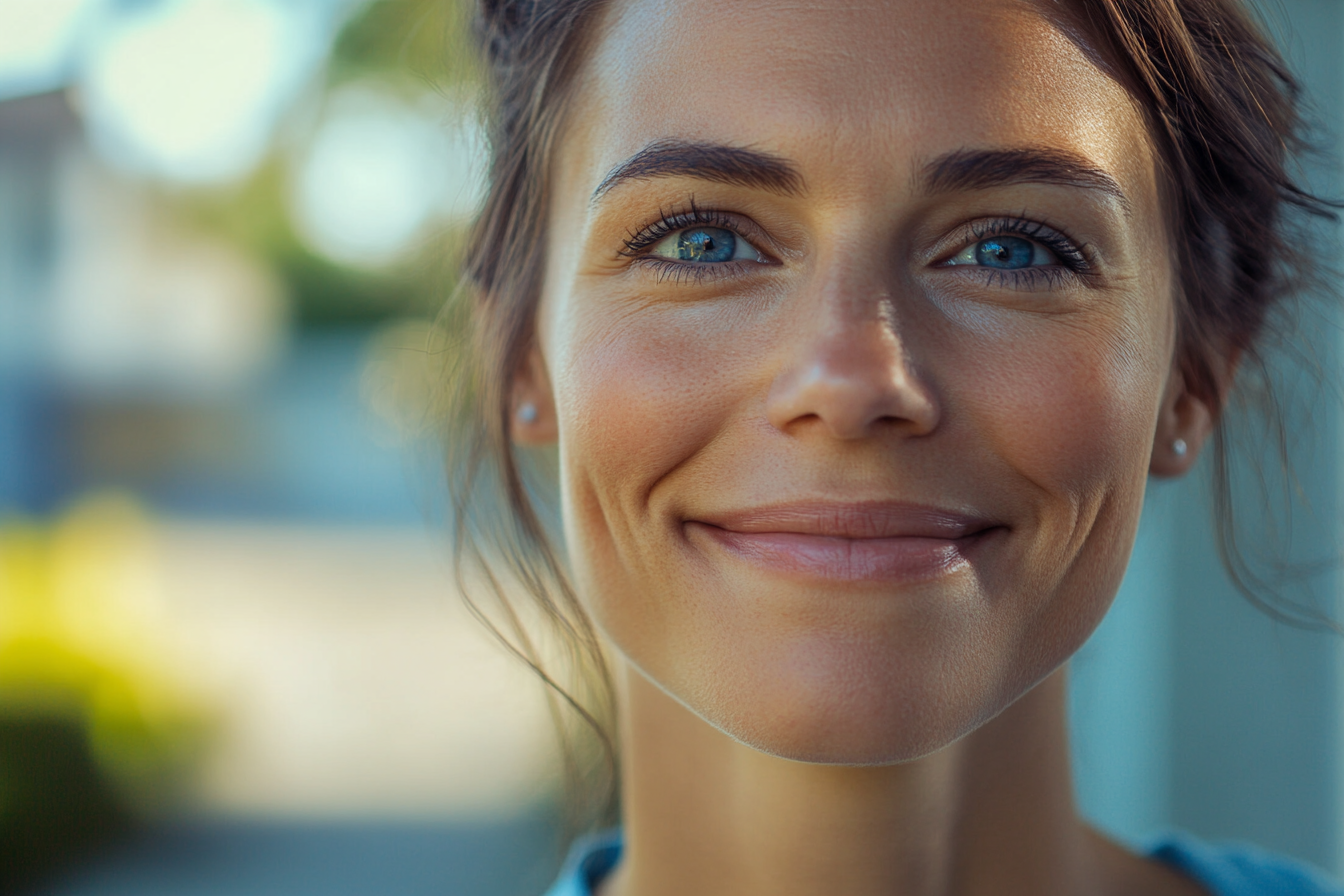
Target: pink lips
[(848, 542)]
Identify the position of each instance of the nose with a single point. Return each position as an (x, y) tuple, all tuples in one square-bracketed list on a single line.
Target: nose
[(850, 370)]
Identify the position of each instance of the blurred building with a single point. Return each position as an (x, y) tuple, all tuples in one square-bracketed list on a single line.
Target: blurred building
[(197, 318), (34, 133)]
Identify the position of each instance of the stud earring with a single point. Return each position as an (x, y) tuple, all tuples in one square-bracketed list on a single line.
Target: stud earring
[(1178, 447), (527, 412)]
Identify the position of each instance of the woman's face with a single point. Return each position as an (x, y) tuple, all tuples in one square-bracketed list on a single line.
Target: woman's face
[(857, 329)]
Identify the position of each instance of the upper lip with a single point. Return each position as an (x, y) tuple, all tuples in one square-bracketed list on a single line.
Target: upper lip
[(864, 519)]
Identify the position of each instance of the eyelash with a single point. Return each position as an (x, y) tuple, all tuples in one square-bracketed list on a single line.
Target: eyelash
[(1073, 257), (668, 223)]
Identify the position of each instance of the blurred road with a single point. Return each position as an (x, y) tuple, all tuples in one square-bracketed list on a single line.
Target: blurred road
[(516, 858)]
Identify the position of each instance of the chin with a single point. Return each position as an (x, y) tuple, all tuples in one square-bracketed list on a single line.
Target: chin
[(848, 748), (855, 723)]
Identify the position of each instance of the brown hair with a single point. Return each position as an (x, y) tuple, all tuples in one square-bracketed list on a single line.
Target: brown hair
[(1222, 111)]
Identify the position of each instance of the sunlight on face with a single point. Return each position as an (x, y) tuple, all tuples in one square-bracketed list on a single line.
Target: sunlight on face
[(858, 322)]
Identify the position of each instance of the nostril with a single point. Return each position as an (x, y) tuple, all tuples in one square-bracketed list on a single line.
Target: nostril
[(851, 401)]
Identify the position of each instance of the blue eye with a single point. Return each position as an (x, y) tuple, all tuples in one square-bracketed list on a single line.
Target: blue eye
[(704, 245), (1005, 253)]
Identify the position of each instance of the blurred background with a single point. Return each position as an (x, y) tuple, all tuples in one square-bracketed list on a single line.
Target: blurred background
[(231, 655), (232, 660)]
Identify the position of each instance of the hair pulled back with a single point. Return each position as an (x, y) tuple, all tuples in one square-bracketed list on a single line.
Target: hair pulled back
[(1223, 113)]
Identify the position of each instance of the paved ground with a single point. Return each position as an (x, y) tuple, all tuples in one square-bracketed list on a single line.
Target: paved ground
[(371, 738), (515, 858), (349, 679)]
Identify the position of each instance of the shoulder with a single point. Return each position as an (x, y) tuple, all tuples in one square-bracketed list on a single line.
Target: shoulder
[(1240, 870), (1224, 870), (589, 861)]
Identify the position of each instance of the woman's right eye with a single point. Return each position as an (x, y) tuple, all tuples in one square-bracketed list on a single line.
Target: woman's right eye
[(705, 245)]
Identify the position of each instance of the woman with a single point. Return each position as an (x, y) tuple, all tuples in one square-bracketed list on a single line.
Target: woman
[(860, 328)]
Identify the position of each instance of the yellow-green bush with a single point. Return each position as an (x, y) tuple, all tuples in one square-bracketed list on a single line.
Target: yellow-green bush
[(95, 732)]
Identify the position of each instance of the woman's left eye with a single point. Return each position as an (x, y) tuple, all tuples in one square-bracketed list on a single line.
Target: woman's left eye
[(705, 245), (1005, 253)]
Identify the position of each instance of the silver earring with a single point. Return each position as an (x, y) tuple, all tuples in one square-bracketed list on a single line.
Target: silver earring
[(527, 413), (1179, 447)]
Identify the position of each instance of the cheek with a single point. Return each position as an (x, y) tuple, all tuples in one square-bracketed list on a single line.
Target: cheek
[(637, 394), (1076, 423), (1076, 416)]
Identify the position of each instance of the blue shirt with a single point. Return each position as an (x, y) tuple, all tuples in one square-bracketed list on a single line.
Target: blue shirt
[(1222, 870)]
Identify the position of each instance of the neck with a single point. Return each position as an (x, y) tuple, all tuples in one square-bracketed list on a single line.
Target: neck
[(990, 814)]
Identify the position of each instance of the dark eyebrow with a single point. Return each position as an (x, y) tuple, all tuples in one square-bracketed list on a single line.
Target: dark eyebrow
[(978, 169), (707, 161)]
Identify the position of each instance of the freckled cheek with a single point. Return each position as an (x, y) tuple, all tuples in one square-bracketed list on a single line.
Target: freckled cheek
[(634, 400), (1075, 418)]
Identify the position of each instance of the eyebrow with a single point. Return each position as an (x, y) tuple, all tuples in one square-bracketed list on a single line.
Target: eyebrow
[(979, 169), (962, 169), (707, 161)]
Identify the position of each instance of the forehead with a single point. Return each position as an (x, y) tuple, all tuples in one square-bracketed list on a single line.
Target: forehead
[(847, 89)]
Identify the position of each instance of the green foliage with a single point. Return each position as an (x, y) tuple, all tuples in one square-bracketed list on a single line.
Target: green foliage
[(415, 47), (323, 294), (95, 733), (425, 39)]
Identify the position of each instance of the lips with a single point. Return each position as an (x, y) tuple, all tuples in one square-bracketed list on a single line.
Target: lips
[(869, 541)]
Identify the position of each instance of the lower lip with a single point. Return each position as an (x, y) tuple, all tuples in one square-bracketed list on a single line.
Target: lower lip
[(900, 559)]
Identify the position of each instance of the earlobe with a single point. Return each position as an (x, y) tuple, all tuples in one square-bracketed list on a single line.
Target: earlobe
[(1184, 423), (532, 415)]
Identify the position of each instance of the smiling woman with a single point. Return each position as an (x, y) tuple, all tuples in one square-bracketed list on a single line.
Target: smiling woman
[(859, 336)]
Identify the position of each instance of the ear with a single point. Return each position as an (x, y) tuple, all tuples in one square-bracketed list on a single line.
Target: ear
[(532, 406), (1186, 420)]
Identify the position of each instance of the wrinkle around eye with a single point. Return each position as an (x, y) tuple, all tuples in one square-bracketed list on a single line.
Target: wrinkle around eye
[(1107, 238)]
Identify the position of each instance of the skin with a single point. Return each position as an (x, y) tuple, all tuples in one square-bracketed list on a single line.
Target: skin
[(792, 733)]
